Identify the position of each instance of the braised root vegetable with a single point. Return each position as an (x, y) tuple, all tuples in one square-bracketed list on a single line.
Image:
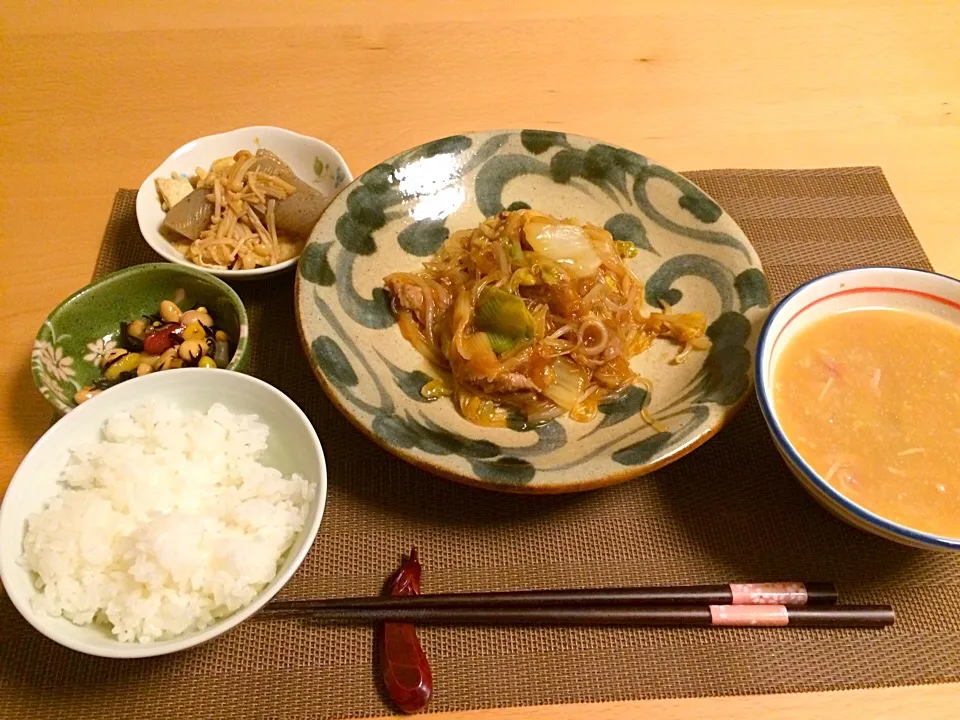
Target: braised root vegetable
[(191, 215)]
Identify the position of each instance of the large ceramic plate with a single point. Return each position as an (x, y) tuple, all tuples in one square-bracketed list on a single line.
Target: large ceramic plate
[(692, 255)]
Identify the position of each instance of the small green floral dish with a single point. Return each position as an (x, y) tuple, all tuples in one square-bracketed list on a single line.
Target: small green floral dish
[(76, 337), (690, 254)]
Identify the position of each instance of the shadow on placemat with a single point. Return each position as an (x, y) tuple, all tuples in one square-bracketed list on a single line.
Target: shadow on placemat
[(729, 511)]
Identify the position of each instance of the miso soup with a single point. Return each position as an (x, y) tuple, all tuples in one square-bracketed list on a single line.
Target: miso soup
[(871, 400)]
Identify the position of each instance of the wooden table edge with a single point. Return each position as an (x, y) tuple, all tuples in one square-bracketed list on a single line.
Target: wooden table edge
[(931, 702)]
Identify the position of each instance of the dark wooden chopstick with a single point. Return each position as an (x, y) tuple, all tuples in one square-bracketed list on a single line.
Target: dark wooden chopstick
[(831, 616), (790, 594)]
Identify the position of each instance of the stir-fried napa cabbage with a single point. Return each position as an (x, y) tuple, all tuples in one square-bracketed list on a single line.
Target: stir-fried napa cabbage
[(532, 314)]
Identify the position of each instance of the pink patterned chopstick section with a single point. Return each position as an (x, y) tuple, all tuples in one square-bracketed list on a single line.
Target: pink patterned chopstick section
[(789, 593), (749, 615)]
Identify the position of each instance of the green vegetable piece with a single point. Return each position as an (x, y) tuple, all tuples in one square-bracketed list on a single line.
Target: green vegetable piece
[(505, 319), (515, 251), (522, 278), (550, 276), (501, 343)]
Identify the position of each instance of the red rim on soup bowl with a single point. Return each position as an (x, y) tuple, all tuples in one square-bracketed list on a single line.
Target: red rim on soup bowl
[(917, 291)]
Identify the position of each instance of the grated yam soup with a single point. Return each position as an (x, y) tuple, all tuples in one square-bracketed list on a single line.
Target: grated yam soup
[(870, 399)]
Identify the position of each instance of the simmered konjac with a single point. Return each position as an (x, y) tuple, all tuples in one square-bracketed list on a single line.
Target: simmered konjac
[(535, 314), (871, 400)]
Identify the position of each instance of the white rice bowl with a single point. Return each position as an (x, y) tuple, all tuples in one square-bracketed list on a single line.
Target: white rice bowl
[(167, 524)]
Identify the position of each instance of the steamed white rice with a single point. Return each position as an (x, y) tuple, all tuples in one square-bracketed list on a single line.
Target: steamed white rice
[(166, 524)]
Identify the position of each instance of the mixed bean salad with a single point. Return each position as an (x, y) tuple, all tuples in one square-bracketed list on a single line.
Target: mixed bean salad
[(168, 339)]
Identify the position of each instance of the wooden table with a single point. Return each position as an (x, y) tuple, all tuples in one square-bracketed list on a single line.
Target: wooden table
[(94, 96)]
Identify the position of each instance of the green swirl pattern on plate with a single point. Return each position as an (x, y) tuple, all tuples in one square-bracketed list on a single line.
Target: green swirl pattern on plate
[(692, 256)]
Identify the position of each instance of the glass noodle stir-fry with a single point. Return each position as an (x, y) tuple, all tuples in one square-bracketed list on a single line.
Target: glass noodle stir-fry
[(532, 314)]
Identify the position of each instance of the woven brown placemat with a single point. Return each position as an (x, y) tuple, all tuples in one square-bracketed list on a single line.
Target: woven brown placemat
[(730, 511)]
